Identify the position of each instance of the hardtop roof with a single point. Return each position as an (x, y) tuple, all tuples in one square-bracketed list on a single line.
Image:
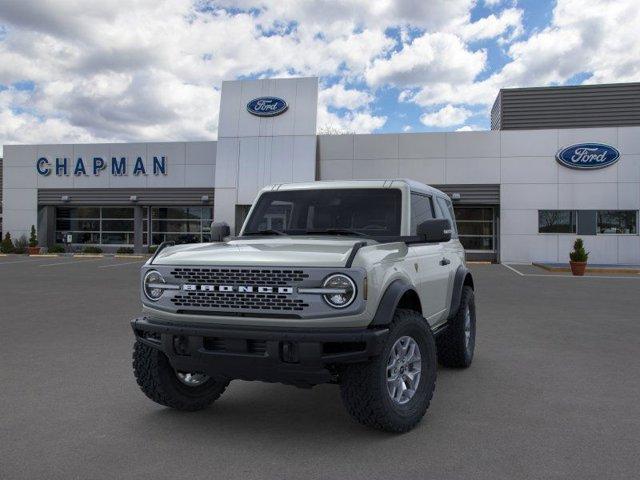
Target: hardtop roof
[(413, 185)]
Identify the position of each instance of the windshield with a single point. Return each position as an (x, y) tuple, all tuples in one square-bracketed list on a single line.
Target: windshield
[(359, 211)]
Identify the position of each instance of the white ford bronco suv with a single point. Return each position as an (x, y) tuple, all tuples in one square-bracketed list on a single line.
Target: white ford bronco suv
[(358, 283)]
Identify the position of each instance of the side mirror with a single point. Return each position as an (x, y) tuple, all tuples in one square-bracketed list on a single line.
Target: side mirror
[(219, 230), (435, 230)]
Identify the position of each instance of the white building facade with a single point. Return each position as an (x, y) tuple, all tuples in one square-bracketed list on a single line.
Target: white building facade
[(515, 202)]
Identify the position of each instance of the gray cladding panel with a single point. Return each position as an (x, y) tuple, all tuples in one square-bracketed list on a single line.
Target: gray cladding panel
[(473, 194), (567, 107), (587, 222), (121, 196)]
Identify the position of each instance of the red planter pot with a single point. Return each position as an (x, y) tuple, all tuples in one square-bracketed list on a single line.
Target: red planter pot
[(578, 268), (33, 250)]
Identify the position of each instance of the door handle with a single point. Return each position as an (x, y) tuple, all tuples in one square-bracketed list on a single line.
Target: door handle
[(445, 261)]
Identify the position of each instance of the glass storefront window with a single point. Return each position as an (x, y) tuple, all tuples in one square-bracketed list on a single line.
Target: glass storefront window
[(618, 221), (476, 229), (556, 221), (95, 225), (477, 243), (180, 224), (78, 212), (115, 225), (79, 237)]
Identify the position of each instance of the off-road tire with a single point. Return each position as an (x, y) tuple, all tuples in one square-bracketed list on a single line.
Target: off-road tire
[(363, 386), (452, 348), (158, 381)]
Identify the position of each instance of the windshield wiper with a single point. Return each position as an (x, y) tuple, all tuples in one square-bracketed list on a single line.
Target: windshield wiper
[(267, 231), (337, 231)]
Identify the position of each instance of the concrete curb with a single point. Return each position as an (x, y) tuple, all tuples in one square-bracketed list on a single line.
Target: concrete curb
[(607, 270)]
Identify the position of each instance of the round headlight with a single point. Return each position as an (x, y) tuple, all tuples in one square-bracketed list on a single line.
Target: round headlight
[(153, 285), (344, 290)]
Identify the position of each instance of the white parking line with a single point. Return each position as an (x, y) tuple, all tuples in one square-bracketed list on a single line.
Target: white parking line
[(120, 264), (513, 269), (566, 276), (72, 262), (21, 261)]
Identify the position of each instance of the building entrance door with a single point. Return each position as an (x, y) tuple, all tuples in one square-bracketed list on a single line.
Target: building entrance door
[(478, 231)]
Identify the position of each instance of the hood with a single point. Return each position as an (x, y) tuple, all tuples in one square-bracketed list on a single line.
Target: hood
[(274, 251)]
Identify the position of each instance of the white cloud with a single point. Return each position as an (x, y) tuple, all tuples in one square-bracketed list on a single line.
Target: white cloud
[(469, 128), (447, 116), (433, 57), (340, 97), (508, 22), (358, 122), (151, 69), (407, 128), (596, 38), (357, 119)]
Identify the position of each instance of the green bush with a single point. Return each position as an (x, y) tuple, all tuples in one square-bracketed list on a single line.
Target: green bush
[(7, 244), (91, 249), (125, 250), (57, 248), (20, 245), (579, 254), (33, 238), (153, 248)]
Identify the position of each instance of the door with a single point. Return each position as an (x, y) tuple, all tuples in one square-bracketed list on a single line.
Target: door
[(478, 231), (432, 279), (431, 273)]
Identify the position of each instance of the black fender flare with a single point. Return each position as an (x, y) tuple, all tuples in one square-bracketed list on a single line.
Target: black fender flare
[(462, 277), (389, 302)]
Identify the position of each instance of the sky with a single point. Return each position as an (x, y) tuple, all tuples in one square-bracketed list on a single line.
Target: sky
[(74, 71)]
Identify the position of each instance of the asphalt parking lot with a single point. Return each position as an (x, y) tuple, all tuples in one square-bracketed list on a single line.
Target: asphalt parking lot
[(554, 391)]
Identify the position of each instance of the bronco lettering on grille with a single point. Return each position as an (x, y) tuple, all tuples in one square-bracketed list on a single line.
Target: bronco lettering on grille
[(237, 289)]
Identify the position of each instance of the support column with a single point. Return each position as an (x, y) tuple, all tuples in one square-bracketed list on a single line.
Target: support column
[(137, 229), (46, 226)]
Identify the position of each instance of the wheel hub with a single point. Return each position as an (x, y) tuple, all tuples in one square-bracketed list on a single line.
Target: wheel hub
[(467, 328), (403, 370), (192, 379)]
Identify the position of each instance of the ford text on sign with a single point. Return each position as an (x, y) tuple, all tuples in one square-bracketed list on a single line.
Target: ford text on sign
[(588, 156), (267, 106)]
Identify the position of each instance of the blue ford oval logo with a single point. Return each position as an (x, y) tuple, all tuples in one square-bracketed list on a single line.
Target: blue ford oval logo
[(267, 106), (588, 156)]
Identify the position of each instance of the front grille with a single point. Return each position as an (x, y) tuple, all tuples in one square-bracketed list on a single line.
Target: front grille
[(250, 346), (239, 276), (238, 301)]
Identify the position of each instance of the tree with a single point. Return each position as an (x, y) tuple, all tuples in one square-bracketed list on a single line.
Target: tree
[(7, 244), (33, 238), (331, 129)]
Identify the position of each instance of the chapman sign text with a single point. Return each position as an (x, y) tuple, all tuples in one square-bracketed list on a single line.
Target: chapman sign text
[(118, 166)]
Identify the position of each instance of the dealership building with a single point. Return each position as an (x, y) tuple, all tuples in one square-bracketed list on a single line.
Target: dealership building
[(559, 162)]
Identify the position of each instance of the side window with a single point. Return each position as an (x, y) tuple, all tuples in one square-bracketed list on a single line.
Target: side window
[(421, 210), (447, 210)]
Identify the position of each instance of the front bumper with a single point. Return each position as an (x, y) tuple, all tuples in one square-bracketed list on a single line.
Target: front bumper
[(300, 357)]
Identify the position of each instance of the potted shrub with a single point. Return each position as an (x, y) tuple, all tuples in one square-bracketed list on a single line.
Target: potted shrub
[(21, 244), (92, 250), (33, 249), (578, 258), (124, 251), (7, 244)]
